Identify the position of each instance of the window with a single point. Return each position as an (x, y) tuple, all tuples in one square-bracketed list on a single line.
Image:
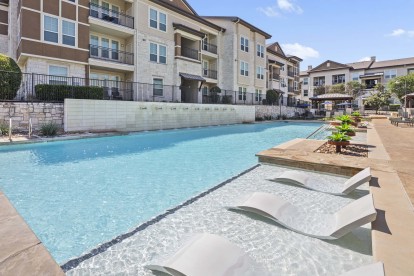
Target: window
[(242, 93), (390, 74), (282, 68), (158, 20), (244, 68), (244, 44), (305, 93), (258, 97), (410, 71), (318, 81), (205, 91), (260, 73), (158, 53), (355, 76), (58, 74), (68, 33), (338, 79), (94, 41), (260, 50), (158, 87), (51, 29), (295, 85), (205, 68), (305, 81)]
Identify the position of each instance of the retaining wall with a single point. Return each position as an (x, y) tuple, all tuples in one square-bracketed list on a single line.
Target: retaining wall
[(95, 115), (274, 111), (40, 113)]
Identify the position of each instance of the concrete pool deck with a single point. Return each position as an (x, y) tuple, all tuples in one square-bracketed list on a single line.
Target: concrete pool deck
[(390, 157)]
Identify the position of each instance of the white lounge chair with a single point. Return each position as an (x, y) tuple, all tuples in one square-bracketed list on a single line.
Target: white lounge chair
[(318, 225), (376, 269), (206, 255), (302, 179)]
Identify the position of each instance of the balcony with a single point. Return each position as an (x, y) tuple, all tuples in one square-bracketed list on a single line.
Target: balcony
[(291, 74), (111, 16), (211, 74), (189, 53), (275, 76), (111, 55), (211, 48), (290, 89)]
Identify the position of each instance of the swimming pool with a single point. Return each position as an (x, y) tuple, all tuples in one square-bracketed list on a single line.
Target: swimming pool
[(78, 194)]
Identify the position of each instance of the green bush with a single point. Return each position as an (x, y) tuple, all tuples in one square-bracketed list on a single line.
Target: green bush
[(272, 97), (339, 137), (59, 92), (226, 99), (49, 129), (394, 107), (4, 129), (214, 92), (345, 119), (345, 128), (10, 78)]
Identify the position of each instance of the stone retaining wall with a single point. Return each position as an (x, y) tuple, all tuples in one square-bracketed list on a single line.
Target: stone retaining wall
[(275, 111), (40, 113)]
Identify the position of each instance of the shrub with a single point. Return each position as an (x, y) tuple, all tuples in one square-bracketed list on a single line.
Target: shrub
[(345, 119), (345, 128), (49, 129), (10, 78), (214, 91), (272, 97), (339, 137), (259, 119), (394, 107), (226, 99), (59, 92), (4, 129), (356, 114)]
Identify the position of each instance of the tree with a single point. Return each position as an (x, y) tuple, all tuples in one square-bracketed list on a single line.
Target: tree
[(400, 86), (10, 78), (214, 92), (354, 87), (272, 97), (378, 99), (319, 90), (337, 89)]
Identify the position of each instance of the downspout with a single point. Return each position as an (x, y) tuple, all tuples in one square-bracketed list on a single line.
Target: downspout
[(237, 50)]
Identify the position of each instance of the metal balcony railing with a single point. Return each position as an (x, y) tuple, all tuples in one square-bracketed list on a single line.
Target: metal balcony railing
[(112, 55), (189, 53), (290, 89), (212, 74), (210, 48), (275, 76), (112, 16), (291, 73)]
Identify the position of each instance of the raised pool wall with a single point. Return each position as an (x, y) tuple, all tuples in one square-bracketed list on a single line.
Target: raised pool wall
[(92, 115)]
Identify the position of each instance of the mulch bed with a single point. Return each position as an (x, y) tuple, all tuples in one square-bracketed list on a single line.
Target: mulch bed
[(351, 150)]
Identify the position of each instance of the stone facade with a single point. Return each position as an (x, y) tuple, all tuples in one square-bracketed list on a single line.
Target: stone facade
[(41, 66), (40, 113), (275, 111)]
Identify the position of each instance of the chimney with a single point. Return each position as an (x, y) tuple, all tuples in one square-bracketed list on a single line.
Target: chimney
[(373, 58), (309, 67)]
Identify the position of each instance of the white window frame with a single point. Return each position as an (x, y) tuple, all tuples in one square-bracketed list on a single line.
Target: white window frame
[(258, 96), (158, 52), (74, 36), (410, 71), (355, 76), (153, 88), (295, 85), (242, 93), (158, 21), (260, 50), (205, 90), (60, 30), (244, 68), (337, 78), (260, 73), (44, 30), (55, 78), (244, 44), (305, 92), (305, 81), (388, 74)]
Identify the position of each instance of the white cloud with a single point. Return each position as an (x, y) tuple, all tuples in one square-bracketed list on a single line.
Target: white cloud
[(365, 59), (299, 50), (269, 11), (289, 6), (401, 32)]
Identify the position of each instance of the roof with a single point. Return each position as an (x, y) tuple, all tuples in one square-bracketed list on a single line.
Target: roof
[(334, 96), (188, 30), (329, 65), (304, 73), (241, 21), (360, 64), (182, 7), (393, 62), (275, 49), (192, 77), (295, 57)]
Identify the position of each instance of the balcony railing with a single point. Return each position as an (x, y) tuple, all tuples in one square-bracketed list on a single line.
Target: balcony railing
[(210, 48), (112, 16), (112, 55), (318, 83), (291, 73), (275, 76), (189, 53), (290, 89), (212, 74)]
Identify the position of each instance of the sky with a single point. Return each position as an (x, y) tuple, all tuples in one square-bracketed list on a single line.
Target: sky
[(317, 30)]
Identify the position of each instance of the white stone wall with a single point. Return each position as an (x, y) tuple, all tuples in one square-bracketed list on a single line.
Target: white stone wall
[(40, 113), (41, 66), (275, 111), (4, 45), (94, 115)]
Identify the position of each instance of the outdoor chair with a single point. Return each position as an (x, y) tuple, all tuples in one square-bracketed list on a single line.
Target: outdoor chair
[(302, 179), (310, 223), (207, 254)]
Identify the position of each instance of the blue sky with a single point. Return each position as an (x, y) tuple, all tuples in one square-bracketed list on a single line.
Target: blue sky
[(316, 30)]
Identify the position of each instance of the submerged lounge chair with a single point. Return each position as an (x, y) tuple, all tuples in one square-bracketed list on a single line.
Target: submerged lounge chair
[(318, 225), (207, 254), (302, 179)]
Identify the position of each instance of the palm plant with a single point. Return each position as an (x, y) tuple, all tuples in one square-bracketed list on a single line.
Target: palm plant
[(346, 129), (345, 119), (339, 140)]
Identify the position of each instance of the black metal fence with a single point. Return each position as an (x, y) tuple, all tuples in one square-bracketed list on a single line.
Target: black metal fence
[(31, 87)]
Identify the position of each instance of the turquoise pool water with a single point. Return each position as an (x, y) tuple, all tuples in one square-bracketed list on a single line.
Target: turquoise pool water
[(78, 194)]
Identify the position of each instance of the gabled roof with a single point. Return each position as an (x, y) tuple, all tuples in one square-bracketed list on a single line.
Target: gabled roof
[(332, 66), (276, 49), (304, 73), (294, 57), (237, 19), (182, 7), (361, 64), (393, 62)]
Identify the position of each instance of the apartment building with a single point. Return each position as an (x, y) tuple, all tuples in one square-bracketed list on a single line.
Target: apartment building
[(4, 26), (283, 73), (243, 58), (370, 73)]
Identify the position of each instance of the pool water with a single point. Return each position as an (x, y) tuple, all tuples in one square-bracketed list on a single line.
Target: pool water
[(78, 194)]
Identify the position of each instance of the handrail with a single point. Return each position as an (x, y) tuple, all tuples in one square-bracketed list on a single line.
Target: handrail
[(116, 17)]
